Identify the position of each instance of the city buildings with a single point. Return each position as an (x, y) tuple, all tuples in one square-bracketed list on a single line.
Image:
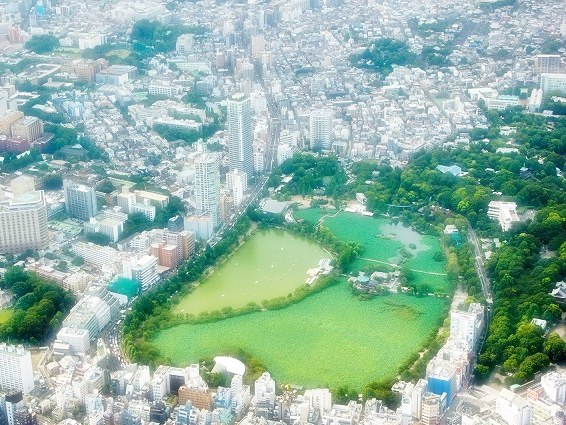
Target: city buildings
[(80, 200), (92, 312), (504, 212), (16, 371), (141, 201), (110, 223), (23, 217), (240, 134)]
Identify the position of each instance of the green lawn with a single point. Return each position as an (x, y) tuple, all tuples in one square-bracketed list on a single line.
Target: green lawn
[(5, 315), (328, 339)]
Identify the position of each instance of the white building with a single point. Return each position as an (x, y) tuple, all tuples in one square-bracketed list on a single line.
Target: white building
[(264, 391), (78, 339), (504, 212), (513, 409), (554, 386), (240, 134), (201, 225), (100, 256), (207, 186), (185, 44), (143, 270), (320, 129), (109, 223), (23, 217), (553, 83), (237, 183), (466, 326), (320, 399), (285, 151), (16, 371), (80, 200), (93, 312)]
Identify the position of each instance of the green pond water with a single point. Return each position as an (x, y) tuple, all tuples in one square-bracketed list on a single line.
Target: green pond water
[(328, 339), (270, 264), (382, 239)]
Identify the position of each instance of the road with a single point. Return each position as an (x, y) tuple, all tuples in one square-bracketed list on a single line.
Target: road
[(480, 268)]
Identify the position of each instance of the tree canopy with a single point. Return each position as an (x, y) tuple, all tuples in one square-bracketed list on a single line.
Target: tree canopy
[(42, 43)]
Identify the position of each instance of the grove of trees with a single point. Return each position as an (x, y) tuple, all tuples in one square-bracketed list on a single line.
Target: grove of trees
[(40, 306)]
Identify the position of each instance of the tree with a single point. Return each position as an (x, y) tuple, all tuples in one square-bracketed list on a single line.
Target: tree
[(52, 182), (555, 348), (42, 43), (106, 186), (98, 238)]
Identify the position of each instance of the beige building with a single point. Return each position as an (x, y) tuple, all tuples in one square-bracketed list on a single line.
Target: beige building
[(7, 120), (199, 397), (28, 128), (23, 217)]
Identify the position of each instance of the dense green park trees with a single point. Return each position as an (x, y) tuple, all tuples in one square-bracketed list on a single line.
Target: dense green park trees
[(310, 173), (42, 43), (40, 306)]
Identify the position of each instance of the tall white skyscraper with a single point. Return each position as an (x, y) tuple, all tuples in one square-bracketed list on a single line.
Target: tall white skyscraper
[(23, 217), (207, 185), (320, 129), (16, 371), (240, 134)]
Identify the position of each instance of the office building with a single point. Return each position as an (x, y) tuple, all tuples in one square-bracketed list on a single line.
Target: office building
[(442, 379), (466, 326), (433, 407), (13, 402), (240, 134), (6, 121), (27, 128), (207, 186), (93, 311), (16, 373), (237, 183), (109, 223), (23, 217), (320, 129), (78, 339), (80, 200), (143, 270), (548, 64), (185, 44), (226, 206), (512, 408), (194, 389), (553, 84), (201, 225), (554, 386), (141, 201), (171, 248), (285, 151), (100, 256), (504, 212), (264, 391)]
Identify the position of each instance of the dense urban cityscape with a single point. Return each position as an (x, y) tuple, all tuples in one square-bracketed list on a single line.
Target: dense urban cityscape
[(338, 212)]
